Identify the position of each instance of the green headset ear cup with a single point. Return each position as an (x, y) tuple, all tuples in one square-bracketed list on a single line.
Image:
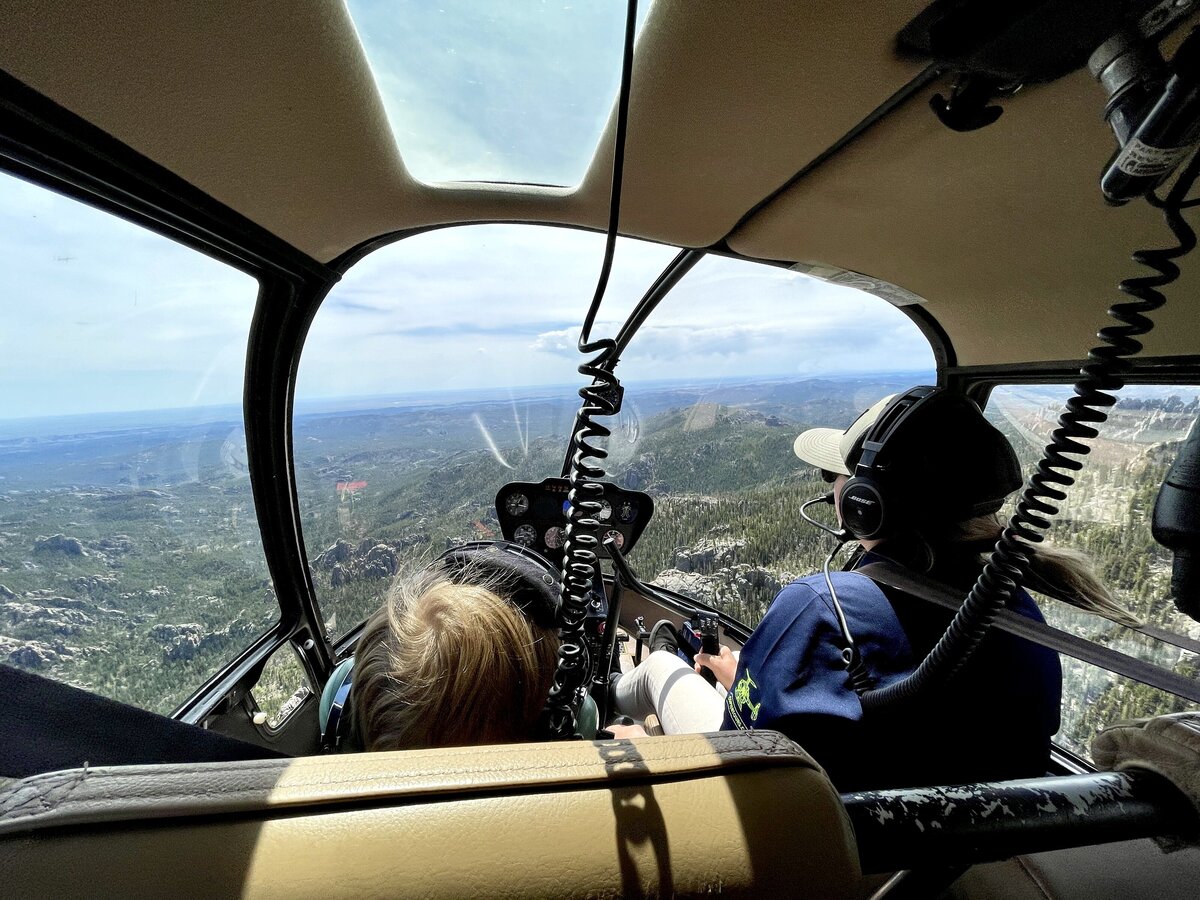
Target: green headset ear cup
[(589, 718), (332, 686)]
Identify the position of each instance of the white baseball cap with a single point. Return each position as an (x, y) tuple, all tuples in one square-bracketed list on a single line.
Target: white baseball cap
[(829, 448)]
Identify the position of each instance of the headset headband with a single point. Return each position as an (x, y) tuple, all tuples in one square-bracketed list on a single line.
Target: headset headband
[(528, 580), (874, 444), (524, 577)]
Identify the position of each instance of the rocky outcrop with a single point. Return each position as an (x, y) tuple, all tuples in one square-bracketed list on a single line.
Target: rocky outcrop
[(115, 545), (53, 619), (59, 543), (181, 642), (338, 553), (380, 562), (708, 572), (639, 475), (738, 582), (708, 555), (91, 583), (6, 594), (33, 655), (369, 560)]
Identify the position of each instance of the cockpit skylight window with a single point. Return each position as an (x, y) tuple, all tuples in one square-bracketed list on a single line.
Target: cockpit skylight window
[(482, 91)]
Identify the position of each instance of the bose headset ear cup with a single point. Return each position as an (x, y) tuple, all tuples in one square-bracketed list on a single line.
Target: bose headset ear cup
[(863, 510), (866, 498)]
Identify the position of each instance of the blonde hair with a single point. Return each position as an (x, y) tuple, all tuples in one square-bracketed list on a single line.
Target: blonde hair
[(1057, 572), (446, 663)]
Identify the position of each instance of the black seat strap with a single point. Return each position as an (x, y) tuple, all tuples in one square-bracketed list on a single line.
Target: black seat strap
[(50, 726), (921, 587)]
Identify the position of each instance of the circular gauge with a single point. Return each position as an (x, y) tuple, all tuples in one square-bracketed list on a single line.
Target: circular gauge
[(554, 537), (604, 513), (517, 504), (618, 538), (526, 535), (627, 511)]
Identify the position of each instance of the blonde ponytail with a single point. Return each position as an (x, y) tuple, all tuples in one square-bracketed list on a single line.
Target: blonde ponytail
[(1057, 572)]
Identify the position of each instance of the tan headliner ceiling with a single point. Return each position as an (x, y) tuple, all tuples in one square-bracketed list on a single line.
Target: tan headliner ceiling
[(270, 107)]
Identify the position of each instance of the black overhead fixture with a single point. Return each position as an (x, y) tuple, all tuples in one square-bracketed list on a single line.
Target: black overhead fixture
[(993, 47)]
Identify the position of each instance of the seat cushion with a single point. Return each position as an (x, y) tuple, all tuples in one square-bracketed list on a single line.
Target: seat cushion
[(742, 814), (1104, 872)]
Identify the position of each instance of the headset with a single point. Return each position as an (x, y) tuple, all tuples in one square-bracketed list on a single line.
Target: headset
[(524, 577), (868, 499), (889, 481)]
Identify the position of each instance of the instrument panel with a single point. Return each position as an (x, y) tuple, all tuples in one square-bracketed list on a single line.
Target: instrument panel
[(535, 515)]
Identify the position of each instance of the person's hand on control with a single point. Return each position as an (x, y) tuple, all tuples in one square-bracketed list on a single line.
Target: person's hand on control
[(723, 665)]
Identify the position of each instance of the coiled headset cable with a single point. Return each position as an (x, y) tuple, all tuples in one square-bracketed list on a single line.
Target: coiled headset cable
[(601, 398), (1105, 370)]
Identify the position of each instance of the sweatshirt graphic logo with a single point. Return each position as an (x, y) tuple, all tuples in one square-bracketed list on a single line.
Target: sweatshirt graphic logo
[(741, 693)]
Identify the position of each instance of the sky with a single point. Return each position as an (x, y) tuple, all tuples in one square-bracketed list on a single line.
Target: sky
[(524, 87), (100, 315)]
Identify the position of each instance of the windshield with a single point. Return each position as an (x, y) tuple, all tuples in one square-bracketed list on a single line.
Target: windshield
[(443, 367)]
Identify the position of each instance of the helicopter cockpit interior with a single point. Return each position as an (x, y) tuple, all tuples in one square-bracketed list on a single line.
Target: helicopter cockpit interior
[(300, 300)]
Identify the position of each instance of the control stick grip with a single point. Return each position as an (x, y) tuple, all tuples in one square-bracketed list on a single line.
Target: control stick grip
[(710, 641)]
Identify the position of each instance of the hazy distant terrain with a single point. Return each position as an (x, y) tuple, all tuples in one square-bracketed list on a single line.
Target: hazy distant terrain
[(130, 561)]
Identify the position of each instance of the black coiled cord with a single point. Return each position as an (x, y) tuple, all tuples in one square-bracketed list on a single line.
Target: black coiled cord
[(602, 397), (1105, 370), (581, 546)]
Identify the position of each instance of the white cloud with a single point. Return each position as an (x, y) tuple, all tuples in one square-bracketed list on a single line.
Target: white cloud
[(565, 341), (101, 315)]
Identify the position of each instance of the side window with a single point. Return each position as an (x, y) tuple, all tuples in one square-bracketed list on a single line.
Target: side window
[(130, 561), (1107, 517), (281, 689)]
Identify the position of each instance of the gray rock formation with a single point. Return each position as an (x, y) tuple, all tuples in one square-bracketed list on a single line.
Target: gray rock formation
[(118, 543), (370, 559), (33, 655), (708, 555), (741, 590), (56, 620), (338, 553), (180, 642), (91, 583), (380, 562), (59, 543)]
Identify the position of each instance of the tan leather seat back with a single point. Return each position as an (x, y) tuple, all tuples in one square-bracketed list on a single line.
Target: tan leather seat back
[(731, 813)]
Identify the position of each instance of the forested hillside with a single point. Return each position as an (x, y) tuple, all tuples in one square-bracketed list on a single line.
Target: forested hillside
[(133, 568)]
